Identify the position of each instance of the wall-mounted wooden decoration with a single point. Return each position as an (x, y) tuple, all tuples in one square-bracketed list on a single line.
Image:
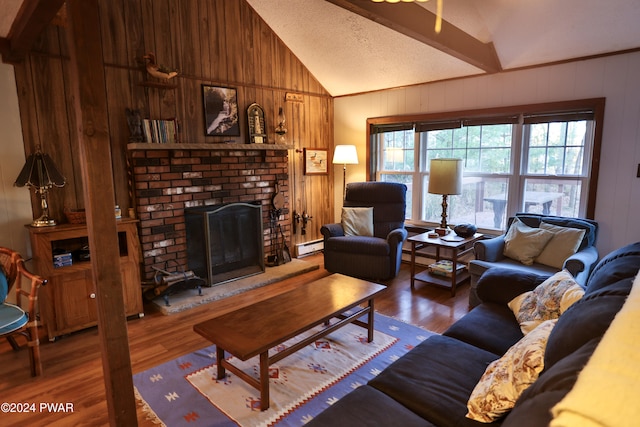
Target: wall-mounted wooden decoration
[(293, 97)]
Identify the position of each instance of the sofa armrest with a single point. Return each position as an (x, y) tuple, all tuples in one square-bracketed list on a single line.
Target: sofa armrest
[(581, 263), (489, 249), (332, 230), (397, 236), (501, 285)]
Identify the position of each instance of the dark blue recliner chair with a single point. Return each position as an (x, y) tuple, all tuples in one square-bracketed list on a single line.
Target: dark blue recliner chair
[(376, 257)]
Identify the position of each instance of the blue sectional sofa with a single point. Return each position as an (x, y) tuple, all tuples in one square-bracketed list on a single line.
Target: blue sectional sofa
[(431, 385)]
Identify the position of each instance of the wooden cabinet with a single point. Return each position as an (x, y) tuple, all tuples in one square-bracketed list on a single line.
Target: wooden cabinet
[(68, 301)]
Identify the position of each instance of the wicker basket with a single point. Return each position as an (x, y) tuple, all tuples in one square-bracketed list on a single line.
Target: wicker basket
[(76, 216)]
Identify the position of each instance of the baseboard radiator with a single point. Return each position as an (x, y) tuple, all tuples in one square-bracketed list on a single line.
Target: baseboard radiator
[(308, 248)]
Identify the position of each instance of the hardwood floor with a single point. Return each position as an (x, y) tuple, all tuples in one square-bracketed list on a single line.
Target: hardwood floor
[(73, 366)]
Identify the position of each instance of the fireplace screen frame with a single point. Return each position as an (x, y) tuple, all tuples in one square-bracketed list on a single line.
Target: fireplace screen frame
[(220, 262)]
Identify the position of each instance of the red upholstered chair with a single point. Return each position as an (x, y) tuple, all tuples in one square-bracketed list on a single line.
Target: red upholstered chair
[(19, 319)]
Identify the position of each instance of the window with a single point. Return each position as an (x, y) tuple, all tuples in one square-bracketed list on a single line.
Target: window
[(520, 160)]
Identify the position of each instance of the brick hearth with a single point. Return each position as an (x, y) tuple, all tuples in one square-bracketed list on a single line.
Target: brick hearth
[(168, 181)]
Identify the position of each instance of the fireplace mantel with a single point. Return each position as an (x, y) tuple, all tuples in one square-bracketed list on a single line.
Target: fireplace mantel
[(190, 146)]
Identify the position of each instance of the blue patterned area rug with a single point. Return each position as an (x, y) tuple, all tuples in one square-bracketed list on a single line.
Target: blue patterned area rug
[(185, 392)]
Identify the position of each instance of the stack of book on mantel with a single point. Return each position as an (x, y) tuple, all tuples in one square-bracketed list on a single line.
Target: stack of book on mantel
[(445, 268), (160, 131)]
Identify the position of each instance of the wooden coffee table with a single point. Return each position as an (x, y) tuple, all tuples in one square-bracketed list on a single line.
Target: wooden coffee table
[(253, 330)]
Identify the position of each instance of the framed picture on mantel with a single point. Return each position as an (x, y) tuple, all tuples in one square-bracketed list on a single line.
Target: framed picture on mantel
[(220, 111), (315, 161)]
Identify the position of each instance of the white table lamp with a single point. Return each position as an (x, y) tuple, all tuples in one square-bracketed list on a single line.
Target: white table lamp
[(445, 177)]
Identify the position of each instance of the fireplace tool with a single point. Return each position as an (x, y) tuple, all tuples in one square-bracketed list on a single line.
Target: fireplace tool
[(286, 255), (275, 258)]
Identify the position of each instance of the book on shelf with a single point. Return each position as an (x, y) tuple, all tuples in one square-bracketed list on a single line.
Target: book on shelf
[(445, 268), (160, 131)]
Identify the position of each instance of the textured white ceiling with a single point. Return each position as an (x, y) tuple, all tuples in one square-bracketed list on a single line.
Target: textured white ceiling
[(350, 54), (541, 31)]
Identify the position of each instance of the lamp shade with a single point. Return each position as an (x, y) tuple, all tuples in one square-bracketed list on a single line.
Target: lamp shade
[(41, 174), (345, 155), (445, 176), (39, 171)]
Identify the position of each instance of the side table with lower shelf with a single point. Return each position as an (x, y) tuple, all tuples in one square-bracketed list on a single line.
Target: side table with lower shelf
[(456, 245)]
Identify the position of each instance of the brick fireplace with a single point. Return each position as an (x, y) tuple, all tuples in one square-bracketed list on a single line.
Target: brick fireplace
[(166, 181)]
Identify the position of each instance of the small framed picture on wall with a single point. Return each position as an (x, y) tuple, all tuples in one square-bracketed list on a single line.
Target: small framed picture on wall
[(315, 161), (220, 111)]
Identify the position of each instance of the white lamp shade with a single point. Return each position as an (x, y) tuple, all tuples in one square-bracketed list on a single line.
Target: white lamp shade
[(445, 176), (345, 155)]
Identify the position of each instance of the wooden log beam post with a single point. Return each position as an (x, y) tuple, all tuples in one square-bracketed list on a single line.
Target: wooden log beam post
[(89, 93)]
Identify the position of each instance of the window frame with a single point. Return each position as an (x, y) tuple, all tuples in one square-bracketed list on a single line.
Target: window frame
[(544, 111)]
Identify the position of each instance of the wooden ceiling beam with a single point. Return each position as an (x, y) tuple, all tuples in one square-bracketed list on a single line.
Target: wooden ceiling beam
[(33, 17), (418, 23)]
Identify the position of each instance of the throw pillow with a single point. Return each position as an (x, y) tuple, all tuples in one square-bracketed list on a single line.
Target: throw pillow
[(357, 221), (505, 379), (524, 243), (606, 392), (547, 301), (589, 227), (564, 243)]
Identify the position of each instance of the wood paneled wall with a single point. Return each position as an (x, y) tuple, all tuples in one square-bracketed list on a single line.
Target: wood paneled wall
[(218, 42)]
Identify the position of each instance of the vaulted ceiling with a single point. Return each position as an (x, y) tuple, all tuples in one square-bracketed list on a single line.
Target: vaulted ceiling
[(354, 46), (349, 53)]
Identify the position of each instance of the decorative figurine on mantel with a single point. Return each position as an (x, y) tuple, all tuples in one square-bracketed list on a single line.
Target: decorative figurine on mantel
[(257, 126), (281, 130), (134, 120), (156, 70)]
